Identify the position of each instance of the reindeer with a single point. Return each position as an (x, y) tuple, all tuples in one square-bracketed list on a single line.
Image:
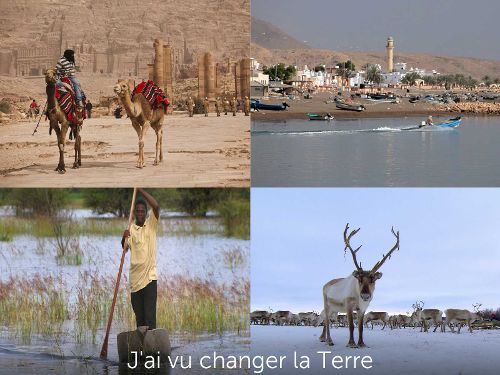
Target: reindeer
[(403, 320), (423, 315), (461, 317), (309, 318), (372, 316), (259, 317), (281, 318), (353, 292)]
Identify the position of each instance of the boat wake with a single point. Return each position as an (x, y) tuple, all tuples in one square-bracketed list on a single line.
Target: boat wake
[(381, 129)]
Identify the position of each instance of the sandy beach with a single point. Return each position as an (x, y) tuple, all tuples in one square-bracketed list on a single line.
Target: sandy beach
[(317, 104), (198, 151)]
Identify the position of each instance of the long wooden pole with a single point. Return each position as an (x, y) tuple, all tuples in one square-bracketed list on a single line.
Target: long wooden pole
[(104, 350)]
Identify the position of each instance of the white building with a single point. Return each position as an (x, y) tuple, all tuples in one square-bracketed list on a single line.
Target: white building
[(317, 79), (257, 74)]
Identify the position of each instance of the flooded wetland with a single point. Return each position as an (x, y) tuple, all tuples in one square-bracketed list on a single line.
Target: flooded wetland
[(54, 306)]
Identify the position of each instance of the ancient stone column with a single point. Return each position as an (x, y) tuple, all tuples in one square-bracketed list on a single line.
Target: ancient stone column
[(201, 76), (158, 64), (167, 69), (209, 76), (244, 86)]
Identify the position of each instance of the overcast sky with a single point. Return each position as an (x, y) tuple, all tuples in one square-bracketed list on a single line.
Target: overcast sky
[(441, 27), (449, 255)]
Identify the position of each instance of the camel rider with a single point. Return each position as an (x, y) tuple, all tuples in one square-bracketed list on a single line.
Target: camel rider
[(217, 106), (205, 106), (66, 68)]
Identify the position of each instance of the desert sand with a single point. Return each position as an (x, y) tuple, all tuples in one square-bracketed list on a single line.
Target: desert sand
[(198, 151)]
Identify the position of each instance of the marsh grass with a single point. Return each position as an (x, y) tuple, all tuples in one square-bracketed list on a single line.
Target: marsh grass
[(236, 218), (200, 306), (6, 234), (39, 305)]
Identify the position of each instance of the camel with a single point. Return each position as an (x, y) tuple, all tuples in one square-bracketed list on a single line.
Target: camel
[(57, 116), (142, 115)]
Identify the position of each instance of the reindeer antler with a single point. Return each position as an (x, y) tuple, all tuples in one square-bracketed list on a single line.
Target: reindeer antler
[(417, 305), (347, 240), (395, 247), (476, 306)]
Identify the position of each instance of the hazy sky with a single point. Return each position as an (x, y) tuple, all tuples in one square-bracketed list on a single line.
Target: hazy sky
[(442, 27), (449, 255)]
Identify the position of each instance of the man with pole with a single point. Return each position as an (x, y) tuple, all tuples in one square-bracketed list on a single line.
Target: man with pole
[(141, 239), (142, 242)]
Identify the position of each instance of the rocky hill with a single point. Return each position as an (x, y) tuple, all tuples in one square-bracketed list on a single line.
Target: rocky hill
[(268, 36), (271, 50), (130, 26)]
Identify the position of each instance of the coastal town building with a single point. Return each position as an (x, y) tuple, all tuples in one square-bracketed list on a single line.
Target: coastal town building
[(259, 82)]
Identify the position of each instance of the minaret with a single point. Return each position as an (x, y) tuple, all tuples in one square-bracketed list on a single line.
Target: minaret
[(390, 54)]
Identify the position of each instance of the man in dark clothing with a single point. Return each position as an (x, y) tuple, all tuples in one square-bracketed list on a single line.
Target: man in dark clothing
[(88, 107)]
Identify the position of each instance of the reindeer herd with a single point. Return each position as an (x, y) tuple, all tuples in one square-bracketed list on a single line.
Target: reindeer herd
[(346, 300), (423, 318)]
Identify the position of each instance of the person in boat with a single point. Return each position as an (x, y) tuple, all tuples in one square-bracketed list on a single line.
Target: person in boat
[(66, 68), (142, 244), (429, 121)]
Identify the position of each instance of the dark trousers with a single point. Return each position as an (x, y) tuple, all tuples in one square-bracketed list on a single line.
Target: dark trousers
[(144, 305)]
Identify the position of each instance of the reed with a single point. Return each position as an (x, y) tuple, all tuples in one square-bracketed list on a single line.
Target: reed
[(40, 306)]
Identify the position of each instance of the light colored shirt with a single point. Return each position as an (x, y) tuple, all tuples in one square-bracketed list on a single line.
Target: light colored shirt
[(65, 68), (142, 242)]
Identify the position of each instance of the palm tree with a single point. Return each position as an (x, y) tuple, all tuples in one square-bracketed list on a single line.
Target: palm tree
[(410, 78), (345, 70), (373, 74)]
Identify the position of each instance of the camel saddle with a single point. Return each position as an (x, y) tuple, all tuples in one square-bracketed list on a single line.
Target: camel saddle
[(153, 94), (67, 101)]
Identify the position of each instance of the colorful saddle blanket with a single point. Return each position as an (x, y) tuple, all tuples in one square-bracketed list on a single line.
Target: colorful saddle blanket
[(67, 102), (153, 94)]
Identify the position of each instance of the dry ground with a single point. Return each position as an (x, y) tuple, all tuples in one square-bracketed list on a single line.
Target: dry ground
[(198, 151)]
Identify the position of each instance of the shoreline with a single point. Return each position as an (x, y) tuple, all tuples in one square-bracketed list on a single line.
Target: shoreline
[(347, 115)]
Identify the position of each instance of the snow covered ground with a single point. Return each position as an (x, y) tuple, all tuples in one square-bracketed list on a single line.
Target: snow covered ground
[(400, 351)]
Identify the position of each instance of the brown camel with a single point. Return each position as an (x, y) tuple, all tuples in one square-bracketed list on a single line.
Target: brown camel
[(142, 115), (57, 116)]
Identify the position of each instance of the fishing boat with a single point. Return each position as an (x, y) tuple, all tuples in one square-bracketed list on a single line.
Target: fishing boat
[(381, 96), (451, 123), (350, 107), (256, 104), (318, 117)]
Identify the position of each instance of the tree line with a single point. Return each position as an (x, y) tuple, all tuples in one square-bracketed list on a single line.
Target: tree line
[(46, 202)]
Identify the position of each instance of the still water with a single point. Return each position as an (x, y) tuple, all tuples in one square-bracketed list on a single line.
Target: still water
[(375, 152), (201, 257)]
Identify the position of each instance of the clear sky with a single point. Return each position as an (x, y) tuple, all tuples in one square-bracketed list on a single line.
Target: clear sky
[(439, 27), (449, 254)]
